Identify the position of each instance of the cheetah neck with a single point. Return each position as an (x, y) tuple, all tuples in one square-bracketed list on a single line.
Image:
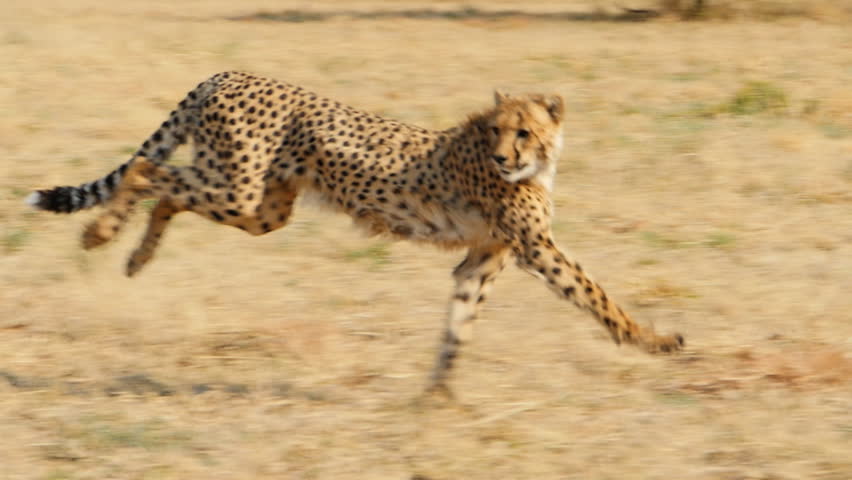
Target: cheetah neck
[(546, 175)]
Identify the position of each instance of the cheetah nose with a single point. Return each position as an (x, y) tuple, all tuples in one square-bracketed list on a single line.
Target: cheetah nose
[(500, 159)]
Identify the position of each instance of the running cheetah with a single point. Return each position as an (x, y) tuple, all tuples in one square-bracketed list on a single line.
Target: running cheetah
[(483, 185)]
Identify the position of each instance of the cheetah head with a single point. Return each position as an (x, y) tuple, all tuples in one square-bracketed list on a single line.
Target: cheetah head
[(526, 135)]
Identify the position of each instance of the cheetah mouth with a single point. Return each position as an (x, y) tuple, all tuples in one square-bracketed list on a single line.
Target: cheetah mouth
[(522, 172)]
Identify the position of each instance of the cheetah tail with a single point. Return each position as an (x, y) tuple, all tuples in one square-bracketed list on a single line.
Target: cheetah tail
[(69, 199), (157, 148)]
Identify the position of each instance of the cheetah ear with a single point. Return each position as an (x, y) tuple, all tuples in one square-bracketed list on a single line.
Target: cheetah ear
[(555, 106), (500, 96)]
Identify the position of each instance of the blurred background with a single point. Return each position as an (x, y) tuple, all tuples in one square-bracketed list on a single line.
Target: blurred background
[(705, 183)]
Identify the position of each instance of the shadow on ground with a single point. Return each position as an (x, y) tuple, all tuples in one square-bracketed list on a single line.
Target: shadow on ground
[(463, 13), (141, 384)]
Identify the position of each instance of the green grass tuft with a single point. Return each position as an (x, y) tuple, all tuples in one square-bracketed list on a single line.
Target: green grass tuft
[(19, 192), (647, 262), (658, 240), (677, 399), (14, 240), (148, 204), (720, 240), (846, 173), (377, 255), (58, 475), (758, 97), (101, 434), (835, 131)]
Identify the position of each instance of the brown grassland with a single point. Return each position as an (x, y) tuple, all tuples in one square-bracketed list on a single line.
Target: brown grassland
[(706, 183)]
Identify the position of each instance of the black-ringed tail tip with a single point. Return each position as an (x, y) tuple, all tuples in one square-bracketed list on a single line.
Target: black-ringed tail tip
[(68, 199), (33, 200), (58, 199)]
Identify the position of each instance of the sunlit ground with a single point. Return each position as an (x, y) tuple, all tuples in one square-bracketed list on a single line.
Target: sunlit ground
[(705, 183)]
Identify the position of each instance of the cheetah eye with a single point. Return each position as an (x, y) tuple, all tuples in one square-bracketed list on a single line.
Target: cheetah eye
[(495, 130), (523, 133)]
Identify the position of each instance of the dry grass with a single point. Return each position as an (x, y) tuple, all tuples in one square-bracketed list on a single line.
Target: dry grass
[(299, 354)]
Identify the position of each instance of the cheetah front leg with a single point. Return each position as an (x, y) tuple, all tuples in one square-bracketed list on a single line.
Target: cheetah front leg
[(565, 277), (474, 277)]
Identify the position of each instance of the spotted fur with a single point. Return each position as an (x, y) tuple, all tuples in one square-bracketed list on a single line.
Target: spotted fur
[(258, 143)]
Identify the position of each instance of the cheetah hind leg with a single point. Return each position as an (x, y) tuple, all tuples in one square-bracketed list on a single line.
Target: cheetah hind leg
[(161, 215), (270, 214), (133, 186)]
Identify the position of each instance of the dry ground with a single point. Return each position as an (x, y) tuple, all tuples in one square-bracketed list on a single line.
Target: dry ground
[(706, 183)]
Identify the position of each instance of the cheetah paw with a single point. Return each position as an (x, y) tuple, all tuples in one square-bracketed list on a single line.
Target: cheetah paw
[(137, 260), (93, 236), (665, 343)]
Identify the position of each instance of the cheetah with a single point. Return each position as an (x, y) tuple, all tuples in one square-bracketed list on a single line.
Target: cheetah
[(483, 185)]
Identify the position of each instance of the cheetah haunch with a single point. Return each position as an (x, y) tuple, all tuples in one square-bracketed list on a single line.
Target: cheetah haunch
[(483, 185)]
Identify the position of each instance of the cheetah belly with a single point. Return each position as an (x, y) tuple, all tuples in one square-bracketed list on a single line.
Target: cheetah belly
[(446, 225)]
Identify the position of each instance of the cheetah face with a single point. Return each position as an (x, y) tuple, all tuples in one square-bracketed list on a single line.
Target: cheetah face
[(526, 135)]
